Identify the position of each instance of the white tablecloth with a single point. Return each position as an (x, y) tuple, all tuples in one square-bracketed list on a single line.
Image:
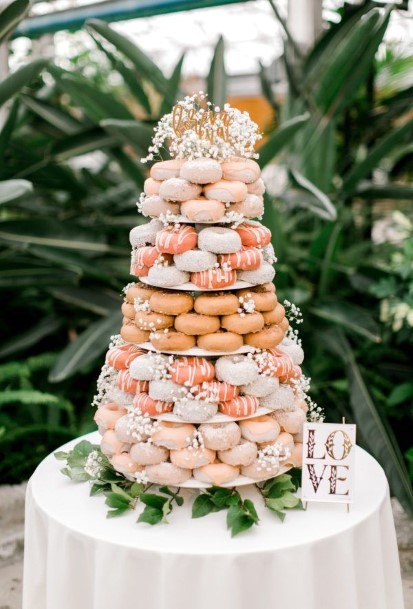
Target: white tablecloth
[(322, 558)]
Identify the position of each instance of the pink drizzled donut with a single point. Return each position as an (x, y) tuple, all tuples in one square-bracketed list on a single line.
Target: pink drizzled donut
[(253, 234), (222, 392), (247, 259), (293, 374), (241, 406), (121, 357), (130, 385), (176, 239), (192, 371), (213, 279), (273, 362), (150, 406)]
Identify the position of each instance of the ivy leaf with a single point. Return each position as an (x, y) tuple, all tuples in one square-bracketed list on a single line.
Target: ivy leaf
[(202, 506), (221, 496), (296, 474), (179, 500), (151, 515), (61, 455), (153, 501), (115, 500), (290, 501), (117, 512), (281, 515), (238, 520), (167, 509), (252, 512), (136, 489), (119, 491), (98, 488)]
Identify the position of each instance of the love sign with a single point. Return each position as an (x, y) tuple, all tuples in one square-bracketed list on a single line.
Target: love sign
[(328, 462)]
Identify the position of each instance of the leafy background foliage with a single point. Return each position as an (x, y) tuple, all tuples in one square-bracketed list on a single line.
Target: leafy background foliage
[(337, 153)]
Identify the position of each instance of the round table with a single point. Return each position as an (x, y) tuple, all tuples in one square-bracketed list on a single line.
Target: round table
[(321, 558)]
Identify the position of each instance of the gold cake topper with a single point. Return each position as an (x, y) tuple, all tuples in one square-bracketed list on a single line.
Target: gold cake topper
[(207, 124)]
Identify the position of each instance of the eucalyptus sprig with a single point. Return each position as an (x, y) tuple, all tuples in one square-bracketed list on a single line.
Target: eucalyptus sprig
[(278, 493), (157, 506), (241, 515)]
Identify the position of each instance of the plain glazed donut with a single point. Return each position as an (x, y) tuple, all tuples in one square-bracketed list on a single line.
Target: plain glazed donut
[(241, 406), (221, 303), (244, 453), (190, 458), (145, 404), (236, 369), (145, 453), (257, 187), (163, 170), (165, 390), (220, 436), (263, 299), (167, 473), (251, 207), (171, 303), (216, 391), (190, 371), (263, 274), (177, 189), (247, 259), (275, 316), (253, 234), (176, 238), (154, 207), (148, 320), (286, 440), (291, 421), (259, 471), (296, 457), (260, 429), (150, 367), (123, 464), (196, 324), (121, 357), (269, 337), (130, 385), (214, 279), (226, 191), (195, 261), (110, 445), (128, 311), (220, 341), (262, 387), (195, 411), (107, 415), (132, 334), (138, 291), (203, 210), (216, 473), (144, 234), (244, 170), (284, 324), (219, 240), (172, 341), (243, 323), (151, 187), (167, 276), (173, 436), (201, 171), (282, 399)]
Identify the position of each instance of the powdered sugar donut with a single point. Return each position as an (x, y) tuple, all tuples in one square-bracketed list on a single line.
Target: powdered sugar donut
[(173, 436), (223, 341), (145, 234), (167, 276), (126, 383), (195, 261), (253, 234), (155, 206), (195, 411), (282, 399), (165, 391), (146, 453), (241, 406), (201, 171), (251, 207), (122, 398), (110, 445), (190, 371), (190, 458), (244, 170), (123, 464), (131, 334), (244, 453), (243, 323), (107, 415), (177, 189), (292, 349), (260, 429), (203, 210), (220, 436), (267, 338), (151, 187), (176, 239), (214, 279), (291, 421), (258, 470), (263, 386), (216, 391), (247, 259), (263, 274), (196, 324), (150, 367), (150, 406), (170, 340), (269, 253), (171, 303), (257, 187), (216, 473), (163, 170), (167, 473), (221, 303), (219, 240), (236, 369), (122, 356), (226, 191), (148, 320)]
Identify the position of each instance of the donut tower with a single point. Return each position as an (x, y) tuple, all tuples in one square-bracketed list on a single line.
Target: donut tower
[(203, 386)]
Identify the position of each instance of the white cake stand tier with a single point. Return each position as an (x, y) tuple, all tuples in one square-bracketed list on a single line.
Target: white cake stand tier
[(322, 558)]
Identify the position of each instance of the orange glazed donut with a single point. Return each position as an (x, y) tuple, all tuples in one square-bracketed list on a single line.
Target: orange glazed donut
[(138, 290), (254, 234), (132, 334), (216, 390), (264, 299), (121, 357), (171, 303), (176, 239), (147, 405), (270, 336), (148, 320), (220, 303), (172, 341), (128, 310), (243, 323), (195, 324), (126, 383), (275, 316), (220, 341), (247, 259), (213, 279), (192, 371), (241, 406)]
